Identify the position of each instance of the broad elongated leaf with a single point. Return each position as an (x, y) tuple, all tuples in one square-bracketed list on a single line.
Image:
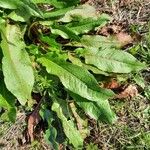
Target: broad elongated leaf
[(23, 8), (16, 65), (78, 62), (82, 11), (57, 13), (51, 132), (98, 41), (7, 101), (103, 53), (50, 137), (16, 17), (55, 3), (85, 25), (112, 60), (65, 32), (58, 3), (70, 130), (99, 110), (76, 79), (9, 4)]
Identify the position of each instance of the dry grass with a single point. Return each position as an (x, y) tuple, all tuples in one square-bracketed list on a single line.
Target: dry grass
[(14, 137), (11, 133), (132, 131), (125, 12)]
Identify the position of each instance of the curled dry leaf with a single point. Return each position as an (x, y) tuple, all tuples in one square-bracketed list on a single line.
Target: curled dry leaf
[(117, 32), (129, 92), (33, 120), (109, 30), (124, 39), (113, 84)]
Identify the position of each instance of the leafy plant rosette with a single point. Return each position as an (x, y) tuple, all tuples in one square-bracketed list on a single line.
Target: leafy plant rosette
[(46, 48)]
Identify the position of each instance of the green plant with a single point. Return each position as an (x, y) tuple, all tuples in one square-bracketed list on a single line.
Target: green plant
[(50, 52)]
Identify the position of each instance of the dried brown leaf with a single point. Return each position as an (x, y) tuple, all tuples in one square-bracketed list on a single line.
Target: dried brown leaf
[(129, 92), (113, 84), (124, 39), (109, 30), (33, 120), (118, 32)]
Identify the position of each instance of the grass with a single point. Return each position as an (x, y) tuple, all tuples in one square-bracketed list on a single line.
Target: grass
[(132, 130)]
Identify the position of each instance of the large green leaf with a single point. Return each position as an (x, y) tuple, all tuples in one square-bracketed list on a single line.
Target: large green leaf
[(103, 53), (16, 17), (77, 61), (58, 3), (16, 65), (99, 110), (76, 79), (57, 13), (112, 60), (50, 137), (7, 101), (85, 25), (23, 8), (72, 29), (9, 4), (69, 128), (85, 19), (64, 31), (82, 11), (97, 41), (51, 133)]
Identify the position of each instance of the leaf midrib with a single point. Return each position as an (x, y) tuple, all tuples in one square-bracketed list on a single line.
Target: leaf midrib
[(21, 81), (98, 90), (110, 59)]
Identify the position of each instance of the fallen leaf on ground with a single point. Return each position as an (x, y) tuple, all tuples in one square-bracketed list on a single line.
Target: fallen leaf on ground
[(113, 84), (33, 120), (129, 92), (109, 30), (123, 3), (118, 33), (124, 39)]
